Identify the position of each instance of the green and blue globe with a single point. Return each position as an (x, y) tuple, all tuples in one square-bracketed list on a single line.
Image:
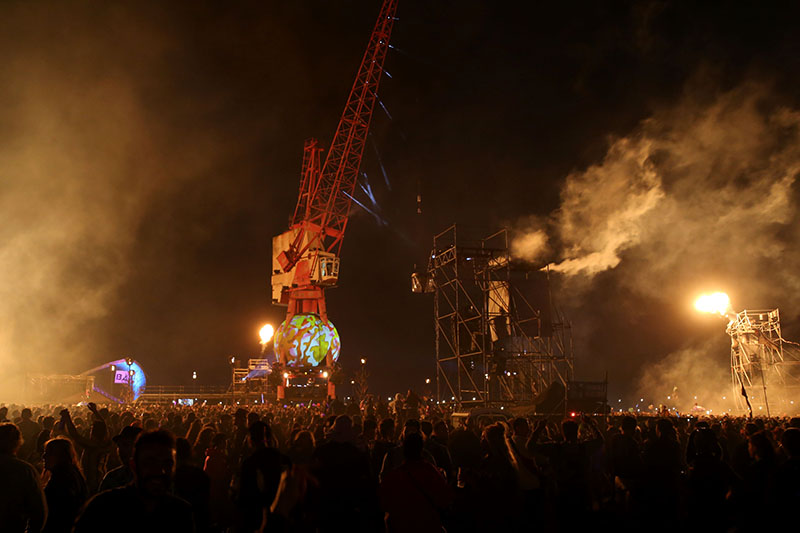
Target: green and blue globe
[(306, 341)]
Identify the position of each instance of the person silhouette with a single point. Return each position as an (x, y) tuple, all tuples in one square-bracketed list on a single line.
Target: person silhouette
[(22, 501), (66, 489), (147, 504)]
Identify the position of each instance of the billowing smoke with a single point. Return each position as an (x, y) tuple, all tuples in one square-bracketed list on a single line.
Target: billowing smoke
[(603, 207), (85, 156), (530, 240), (73, 193), (690, 379), (690, 182), (701, 196)]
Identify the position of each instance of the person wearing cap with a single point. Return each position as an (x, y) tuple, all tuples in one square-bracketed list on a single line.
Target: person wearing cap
[(122, 475)]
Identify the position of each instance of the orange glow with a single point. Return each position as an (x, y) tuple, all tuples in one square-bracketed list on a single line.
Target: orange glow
[(715, 303)]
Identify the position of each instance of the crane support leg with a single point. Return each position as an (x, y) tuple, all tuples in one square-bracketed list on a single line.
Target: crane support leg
[(310, 300)]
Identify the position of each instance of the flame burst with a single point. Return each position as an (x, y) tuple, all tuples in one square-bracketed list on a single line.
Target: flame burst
[(717, 302), (266, 333)]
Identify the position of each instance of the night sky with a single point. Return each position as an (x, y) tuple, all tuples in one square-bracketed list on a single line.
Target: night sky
[(149, 152)]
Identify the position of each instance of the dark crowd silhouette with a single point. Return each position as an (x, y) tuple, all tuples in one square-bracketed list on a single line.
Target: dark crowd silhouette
[(401, 466)]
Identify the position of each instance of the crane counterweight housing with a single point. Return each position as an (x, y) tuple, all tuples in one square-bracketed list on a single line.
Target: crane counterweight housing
[(305, 258)]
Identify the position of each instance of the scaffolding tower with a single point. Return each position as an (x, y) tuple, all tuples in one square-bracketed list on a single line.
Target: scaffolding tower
[(764, 365), (493, 348)]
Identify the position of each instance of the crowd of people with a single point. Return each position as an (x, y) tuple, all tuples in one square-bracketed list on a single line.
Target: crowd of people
[(396, 467)]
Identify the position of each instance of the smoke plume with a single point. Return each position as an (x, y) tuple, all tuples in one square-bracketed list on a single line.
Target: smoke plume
[(689, 183), (602, 208), (530, 240), (701, 196)]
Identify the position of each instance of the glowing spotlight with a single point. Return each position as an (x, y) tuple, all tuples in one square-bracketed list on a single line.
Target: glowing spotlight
[(714, 303), (428, 381), (325, 374), (285, 375), (363, 361)]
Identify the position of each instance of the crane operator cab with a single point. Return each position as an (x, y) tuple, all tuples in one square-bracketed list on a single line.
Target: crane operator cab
[(325, 269), (315, 267)]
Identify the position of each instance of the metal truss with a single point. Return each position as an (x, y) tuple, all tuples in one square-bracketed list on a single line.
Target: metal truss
[(250, 380), (763, 363), (492, 346)]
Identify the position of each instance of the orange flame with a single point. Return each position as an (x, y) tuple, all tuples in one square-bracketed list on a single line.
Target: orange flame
[(715, 303), (266, 333)]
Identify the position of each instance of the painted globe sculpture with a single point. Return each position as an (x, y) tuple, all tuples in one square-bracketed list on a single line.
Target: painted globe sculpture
[(306, 340)]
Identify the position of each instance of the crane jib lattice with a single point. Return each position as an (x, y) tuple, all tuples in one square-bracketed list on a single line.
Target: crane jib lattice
[(324, 202)]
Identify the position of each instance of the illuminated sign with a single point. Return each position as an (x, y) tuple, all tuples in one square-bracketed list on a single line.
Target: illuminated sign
[(121, 376)]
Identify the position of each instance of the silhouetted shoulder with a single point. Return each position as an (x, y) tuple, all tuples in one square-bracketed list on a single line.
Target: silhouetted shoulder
[(123, 510)]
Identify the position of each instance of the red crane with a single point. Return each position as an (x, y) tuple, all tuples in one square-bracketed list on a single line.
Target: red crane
[(306, 257)]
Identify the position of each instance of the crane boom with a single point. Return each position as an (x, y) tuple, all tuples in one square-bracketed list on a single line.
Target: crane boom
[(323, 207), (306, 257), (331, 207)]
